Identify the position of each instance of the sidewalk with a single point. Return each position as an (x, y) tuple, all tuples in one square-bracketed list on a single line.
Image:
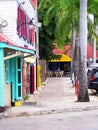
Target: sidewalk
[(56, 96)]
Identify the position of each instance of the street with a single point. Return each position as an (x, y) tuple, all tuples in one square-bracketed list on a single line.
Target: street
[(83, 120)]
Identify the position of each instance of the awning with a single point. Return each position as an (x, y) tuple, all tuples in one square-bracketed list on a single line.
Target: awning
[(30, 59), (64, 58)]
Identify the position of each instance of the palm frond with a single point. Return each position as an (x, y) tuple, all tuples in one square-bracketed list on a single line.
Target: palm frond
[(50, 14)]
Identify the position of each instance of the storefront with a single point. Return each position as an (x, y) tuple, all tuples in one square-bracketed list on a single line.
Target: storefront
[(11, 59), (62, 64)]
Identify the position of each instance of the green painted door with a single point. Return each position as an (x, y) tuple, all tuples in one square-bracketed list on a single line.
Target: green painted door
[(18, 78), (14, 76)]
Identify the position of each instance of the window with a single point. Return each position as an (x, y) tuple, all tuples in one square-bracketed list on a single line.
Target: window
[(23, 28), (19, 21), (18, 78), (8, 77)]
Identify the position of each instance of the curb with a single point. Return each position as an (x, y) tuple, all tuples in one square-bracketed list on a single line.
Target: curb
[(45, 112), (2, 115)]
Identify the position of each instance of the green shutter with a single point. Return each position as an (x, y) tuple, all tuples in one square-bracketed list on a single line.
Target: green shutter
[(18, 78), (14, 76), (8, 78)]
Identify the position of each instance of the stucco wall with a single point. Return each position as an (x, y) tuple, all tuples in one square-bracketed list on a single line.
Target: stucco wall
[(7, 89)]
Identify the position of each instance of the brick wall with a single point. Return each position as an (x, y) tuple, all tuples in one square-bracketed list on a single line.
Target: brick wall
[(26, 78)]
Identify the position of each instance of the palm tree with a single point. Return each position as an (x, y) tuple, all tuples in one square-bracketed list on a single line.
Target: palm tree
[(94, 20), (66, 14), (83, 93)]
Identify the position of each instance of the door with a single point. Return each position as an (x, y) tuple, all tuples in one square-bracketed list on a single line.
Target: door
[(14, 76), (18, 78), (32, 79)]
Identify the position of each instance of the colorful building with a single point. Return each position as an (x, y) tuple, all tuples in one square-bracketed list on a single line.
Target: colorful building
[(18, 36), (64, 63)]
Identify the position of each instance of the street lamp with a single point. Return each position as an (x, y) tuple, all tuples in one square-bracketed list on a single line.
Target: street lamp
[(31, 24)]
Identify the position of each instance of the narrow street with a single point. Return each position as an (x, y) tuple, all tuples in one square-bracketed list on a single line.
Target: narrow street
[(55, 109), (58, 96), (46, 48), (85, 120)]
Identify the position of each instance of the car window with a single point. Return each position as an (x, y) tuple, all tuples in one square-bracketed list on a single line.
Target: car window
[(96, 74), (89, 72)]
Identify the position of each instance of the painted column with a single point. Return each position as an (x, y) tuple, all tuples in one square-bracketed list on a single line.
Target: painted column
[(23, 79), (2, 78)]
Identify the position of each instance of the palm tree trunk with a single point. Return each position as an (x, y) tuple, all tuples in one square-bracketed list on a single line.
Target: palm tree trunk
[(94, 50), (83, 93), (94, 43), (73, 47)]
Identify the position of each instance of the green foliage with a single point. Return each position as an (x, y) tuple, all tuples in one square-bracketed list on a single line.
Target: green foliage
[(26, 97), (51, 13), (63, 14), (46, 36), (58, 10)]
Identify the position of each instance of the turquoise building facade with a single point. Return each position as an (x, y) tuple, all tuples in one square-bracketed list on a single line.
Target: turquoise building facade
[(11, 64), (17, 44)]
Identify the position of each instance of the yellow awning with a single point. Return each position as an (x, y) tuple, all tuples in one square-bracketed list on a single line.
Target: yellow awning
[(64, 58)]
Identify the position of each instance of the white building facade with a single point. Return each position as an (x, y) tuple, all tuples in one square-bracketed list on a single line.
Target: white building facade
[(17, 44)]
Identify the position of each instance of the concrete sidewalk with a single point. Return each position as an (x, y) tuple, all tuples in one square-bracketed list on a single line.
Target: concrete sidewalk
[(56, 96)]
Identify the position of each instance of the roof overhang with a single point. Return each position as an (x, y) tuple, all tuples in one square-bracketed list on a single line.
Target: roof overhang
[(17, 51), (30, 59), (10, 46), (17, 48)]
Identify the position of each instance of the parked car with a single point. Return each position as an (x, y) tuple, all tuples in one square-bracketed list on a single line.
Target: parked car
[(92, 73)]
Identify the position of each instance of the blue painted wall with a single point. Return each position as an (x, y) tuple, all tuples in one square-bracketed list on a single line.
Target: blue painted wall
[(1, 78)]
